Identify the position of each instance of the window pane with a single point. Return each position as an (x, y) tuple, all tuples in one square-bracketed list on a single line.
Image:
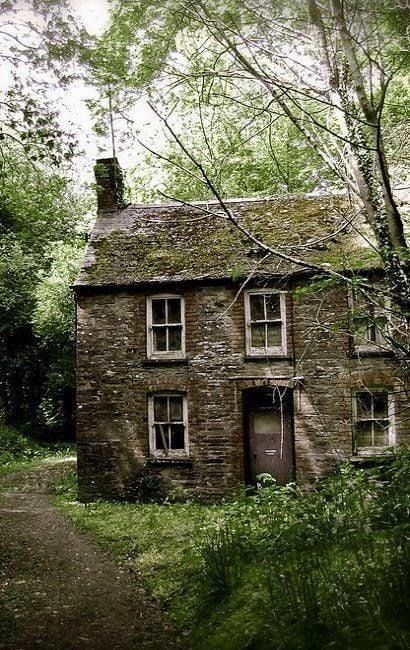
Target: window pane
[(380, 407), (371, 331), (174, 310), (258, 336), (177, 436), (158, 311), (257, 306), (381, 433), (364, 405), (161, 408), (174, 338), (361, 331), (175, 409), (274, 335), (159, 339), (272, 306), (161, 436), (381, 329), (364, 434)]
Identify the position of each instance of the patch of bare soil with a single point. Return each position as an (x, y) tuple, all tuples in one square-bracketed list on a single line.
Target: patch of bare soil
[(57, 588)]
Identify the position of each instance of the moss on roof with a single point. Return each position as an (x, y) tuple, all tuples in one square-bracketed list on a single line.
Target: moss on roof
[(141, 244)]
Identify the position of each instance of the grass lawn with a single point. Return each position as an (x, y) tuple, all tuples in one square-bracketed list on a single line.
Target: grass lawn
[(277, 569), (157, 542), (18, 450), (280, 569)]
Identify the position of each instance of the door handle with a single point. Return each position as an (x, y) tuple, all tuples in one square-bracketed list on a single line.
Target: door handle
[(254, 455)]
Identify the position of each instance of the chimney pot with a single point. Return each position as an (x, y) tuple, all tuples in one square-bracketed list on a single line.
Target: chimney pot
[(108, 176)]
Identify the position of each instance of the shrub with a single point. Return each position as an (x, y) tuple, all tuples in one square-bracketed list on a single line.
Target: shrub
[(222, 556), (16, 447), (330, 566), (147, 486)]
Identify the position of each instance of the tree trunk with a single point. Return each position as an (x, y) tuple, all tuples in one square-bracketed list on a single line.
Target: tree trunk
[(367, 158)]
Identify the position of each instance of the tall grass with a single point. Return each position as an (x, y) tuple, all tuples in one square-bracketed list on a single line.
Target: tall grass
[(325, 569), (18, 448), (279, 568)]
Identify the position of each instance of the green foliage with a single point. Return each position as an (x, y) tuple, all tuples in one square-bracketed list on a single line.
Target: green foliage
[(17, 449), (277, 567), (231, 123), (42, 231), (241, 159), (53, 316), (266, 98), (147, 486), (138, 41), (66, 486), (41, 35), (328, 566)]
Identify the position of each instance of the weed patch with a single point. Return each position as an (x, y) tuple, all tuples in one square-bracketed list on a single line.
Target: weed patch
[(17, 449), (279, 568)]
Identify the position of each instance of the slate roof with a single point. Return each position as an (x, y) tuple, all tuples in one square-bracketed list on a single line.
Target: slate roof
[(159, 243)]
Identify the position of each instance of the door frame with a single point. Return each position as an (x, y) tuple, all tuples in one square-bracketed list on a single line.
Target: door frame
[(250, 397)]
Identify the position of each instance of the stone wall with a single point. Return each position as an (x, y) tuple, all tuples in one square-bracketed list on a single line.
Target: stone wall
[(114, 379)]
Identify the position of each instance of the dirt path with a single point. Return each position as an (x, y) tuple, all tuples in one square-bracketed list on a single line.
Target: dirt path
[(57, 588)]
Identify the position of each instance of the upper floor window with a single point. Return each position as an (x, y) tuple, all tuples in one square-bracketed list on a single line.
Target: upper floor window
[(265, 322), (369, 322), (168, 424), (373, 421), (165, 323)]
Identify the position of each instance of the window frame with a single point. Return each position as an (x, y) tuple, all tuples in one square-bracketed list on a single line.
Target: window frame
[(164, 354), (374, 450), (276, 351), (172, 453), (380, 341)]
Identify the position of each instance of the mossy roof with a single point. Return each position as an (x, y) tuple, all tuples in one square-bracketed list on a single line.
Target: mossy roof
[(160, 243)]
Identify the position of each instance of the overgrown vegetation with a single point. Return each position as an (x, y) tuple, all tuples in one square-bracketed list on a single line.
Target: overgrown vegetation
[(17, 449), (277, 568), (271, 95), (42, 215), (43, 225)]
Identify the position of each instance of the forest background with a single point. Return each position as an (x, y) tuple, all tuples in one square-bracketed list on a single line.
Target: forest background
[(256, 98)]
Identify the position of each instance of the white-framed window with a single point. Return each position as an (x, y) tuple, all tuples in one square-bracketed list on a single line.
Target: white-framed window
[(373, 412), (168, 424), (165, 327), (265, 322), (370, 321)]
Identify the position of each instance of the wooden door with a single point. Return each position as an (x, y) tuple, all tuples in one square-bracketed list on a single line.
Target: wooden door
[(270, 442)]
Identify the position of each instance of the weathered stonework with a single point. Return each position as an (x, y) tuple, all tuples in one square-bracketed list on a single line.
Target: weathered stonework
[(141, 251), (114, 379)]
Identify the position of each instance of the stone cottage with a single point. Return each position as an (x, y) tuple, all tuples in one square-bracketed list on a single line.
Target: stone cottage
[(211, 361)]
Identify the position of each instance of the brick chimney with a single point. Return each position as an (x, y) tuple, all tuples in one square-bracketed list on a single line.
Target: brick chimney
[(108, 176)]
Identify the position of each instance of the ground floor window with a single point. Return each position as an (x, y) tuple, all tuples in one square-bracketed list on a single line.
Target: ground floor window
[(373, 421), (168, 426)]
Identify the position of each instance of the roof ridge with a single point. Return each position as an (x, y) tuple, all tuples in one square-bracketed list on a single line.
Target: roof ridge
[(276, 197)]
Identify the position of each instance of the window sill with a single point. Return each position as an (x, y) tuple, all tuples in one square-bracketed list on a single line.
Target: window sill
[(267, 357), (375, 456), (167, 460), (151, 363), (359, 352)]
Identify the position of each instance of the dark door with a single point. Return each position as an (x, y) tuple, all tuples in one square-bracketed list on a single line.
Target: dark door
[(270, 436)]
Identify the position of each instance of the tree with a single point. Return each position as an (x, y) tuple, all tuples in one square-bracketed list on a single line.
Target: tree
[(41, 47), (42, 224), (329, 70), (242, 157), (42, 237)]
